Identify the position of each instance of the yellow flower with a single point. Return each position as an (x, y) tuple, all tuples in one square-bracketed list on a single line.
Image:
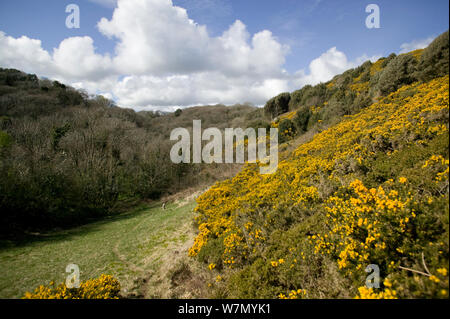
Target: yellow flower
[(442, 271), (434, 279)]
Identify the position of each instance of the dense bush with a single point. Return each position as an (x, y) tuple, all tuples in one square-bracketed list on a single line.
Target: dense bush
[(301, 119), (313, 95), (177, 112), (434, 59), (399, 71), (103, 287), (287, 130), (277, 105)]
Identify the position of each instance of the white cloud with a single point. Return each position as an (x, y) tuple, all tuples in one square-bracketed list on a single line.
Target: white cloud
[(76, 59), (164, 59), (415, 44), (329, 64), (201, 88), (25, 54), (155, 37)]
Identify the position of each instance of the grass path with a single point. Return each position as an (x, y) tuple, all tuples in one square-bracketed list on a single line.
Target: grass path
[(137, 248)]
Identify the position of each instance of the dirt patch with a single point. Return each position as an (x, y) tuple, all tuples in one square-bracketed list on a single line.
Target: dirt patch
[(177, 276), (184, 197)]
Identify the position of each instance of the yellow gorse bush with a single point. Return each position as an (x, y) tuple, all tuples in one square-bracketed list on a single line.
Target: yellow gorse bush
[(103, 287), (370, 293), (364, 223), (355, 223), (293, 294)]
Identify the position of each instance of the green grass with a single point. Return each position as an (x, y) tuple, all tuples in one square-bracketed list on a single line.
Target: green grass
[(133, 247)]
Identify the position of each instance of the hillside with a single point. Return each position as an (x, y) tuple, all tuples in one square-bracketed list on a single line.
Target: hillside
[(67, 158), (317, 107), (368, 188)]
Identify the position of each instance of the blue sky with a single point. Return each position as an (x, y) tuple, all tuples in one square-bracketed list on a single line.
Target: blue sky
[(312, 27), (304, 30)]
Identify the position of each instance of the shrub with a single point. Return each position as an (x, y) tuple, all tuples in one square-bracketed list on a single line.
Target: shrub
[(287, 130), (277, 105), (301, 119), (296, 99), (5, 140), (103, 287), (68, 97), (58, 133), (313, 95), (177, 112), (434, 59), (212, 252), (398, 72)]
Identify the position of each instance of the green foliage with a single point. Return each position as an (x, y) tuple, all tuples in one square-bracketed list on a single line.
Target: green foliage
[(177, 112), (313, 95), (434, 59), (277, 105), (296, 99), (68, 97), (59, 133), (287, 130), (16, 78), (254, 281), (301, 119), (256, 124), (388, 59), (56, 84), (212, 253), (5, 140), (398, 72)]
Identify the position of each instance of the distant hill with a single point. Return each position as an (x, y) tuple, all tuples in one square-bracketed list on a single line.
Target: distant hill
[(67, 157)]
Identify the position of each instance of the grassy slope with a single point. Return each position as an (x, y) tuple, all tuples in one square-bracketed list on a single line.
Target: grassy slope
[(133, 247)]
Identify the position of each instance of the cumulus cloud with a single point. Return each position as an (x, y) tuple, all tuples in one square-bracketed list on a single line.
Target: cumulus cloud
[(24, 53), (163, 59), (157, 37), (415, 44), (329, 64), (201, 88), (326, 66), (76, 59)]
